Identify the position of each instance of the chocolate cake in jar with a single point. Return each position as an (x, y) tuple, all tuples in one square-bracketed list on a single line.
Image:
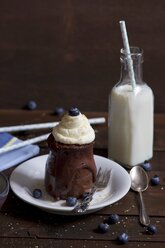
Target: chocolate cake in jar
[(70, 167)]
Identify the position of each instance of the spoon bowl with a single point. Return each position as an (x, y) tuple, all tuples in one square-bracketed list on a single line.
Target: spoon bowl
[(139, 179), (139, 183)]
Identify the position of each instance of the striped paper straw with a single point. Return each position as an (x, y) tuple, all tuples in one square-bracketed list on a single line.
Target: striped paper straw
[(93, 121)]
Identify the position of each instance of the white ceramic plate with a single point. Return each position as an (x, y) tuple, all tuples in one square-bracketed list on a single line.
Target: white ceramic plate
[(30, 175)]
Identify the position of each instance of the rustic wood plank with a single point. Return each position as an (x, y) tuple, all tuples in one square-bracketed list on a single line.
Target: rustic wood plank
[(23, 225), (76, 227), (46, 48), (44, 243)]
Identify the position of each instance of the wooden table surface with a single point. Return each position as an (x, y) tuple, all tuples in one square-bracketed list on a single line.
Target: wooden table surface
[(23, 225), (62, 53)]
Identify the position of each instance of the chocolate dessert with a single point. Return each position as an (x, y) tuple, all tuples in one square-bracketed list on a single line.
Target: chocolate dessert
[(70, 168)]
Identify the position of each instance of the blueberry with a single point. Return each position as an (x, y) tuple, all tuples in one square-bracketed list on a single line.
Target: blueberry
[(71, 201), (151, 229), (59, 111), (74, 111), (146, 166), (122, 238), (113, 219), (37, 193), (31, 105), (103, 227), (155, 180)]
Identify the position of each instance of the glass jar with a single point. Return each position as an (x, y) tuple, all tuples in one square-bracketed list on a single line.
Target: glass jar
[(130, 121)]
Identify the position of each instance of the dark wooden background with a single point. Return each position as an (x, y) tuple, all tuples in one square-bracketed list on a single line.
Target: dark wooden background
[(60, 52)]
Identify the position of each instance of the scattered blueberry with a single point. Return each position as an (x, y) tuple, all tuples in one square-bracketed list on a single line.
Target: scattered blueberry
[(122, 238), (74, 111), (155, 180), (146, 166), (151, 229), (103, 227), (37, 193), (113, 219), (31, 105), (71, 201), (59, 111)]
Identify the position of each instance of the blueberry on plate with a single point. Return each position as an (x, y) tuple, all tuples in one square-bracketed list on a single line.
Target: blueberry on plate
[(155, 180), (59, 111), (113, 219), (122, 238), (103, 227), (74, 111), (37, 193), (146, 166), (151, 229), (71, 201), (31, 105)]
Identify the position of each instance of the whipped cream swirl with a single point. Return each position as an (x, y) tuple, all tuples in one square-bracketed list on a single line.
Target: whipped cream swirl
[(74, 130)]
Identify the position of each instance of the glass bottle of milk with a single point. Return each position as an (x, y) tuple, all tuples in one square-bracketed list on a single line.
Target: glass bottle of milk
[(130, 123)]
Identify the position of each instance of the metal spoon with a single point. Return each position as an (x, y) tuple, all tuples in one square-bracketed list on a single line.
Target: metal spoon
[(139, 183)]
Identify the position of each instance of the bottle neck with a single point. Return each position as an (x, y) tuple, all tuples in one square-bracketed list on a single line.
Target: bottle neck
[(137, 63)]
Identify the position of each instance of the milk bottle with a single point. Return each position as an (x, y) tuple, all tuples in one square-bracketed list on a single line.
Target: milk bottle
[(130, 127)]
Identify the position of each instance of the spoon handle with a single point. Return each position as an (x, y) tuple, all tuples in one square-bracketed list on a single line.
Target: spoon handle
[(144, 218)]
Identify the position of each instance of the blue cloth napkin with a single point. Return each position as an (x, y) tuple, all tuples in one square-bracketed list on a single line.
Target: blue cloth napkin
[(11, 158)]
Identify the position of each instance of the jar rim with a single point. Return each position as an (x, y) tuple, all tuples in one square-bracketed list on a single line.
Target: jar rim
[(134, 50)]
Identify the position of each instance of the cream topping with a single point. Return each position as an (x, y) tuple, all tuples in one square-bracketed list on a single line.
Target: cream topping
[(74, 130)]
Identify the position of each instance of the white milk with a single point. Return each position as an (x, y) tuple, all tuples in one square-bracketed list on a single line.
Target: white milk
[(131, 124)]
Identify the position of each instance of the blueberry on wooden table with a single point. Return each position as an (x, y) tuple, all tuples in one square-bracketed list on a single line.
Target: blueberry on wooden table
[(103, 227), (113, 219), (58, 111), (146, 166), (122, 238), (151, 229), (31, 105), (155, 180)]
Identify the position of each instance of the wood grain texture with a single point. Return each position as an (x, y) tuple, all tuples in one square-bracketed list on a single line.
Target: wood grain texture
[(63, 53), (44, 243), (23, 225)]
